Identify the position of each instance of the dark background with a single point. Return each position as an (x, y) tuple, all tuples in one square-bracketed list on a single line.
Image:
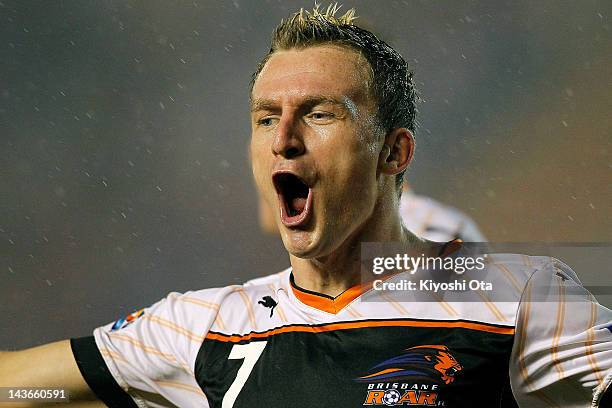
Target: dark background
[(124, 125)]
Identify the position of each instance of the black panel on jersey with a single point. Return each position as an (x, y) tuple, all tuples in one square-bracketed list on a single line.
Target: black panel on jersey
[(96, 373), (305, 369), (606, 400)]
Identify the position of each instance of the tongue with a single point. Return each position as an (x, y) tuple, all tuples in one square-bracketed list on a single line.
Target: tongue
[(298, 204)]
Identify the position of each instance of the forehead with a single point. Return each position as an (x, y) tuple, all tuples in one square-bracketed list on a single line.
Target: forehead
[(320, 70)]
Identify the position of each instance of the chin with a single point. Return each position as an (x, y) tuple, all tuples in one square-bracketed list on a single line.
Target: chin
[(301, 244)]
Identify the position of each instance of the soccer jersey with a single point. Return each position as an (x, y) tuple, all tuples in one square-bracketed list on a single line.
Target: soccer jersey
[(278, 345), (434, 221)]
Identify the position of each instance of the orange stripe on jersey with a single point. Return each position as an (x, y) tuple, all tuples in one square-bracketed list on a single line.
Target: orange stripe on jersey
[(509, 275), (559, 330), (174, 327), (397, 306), (147, 349), (353, 312), (113, 355), (219, 321), (247, 304), (499, 315), (329, 304), (199, 302), (447, 307), (589, 343), (456, 324), (138, 344), (527, 261), (524, 321)]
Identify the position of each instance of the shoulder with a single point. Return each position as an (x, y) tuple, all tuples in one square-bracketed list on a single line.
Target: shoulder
[(215, 297), (531, 272), (521, 269), (562, 341), (274, 279), (251, 306)]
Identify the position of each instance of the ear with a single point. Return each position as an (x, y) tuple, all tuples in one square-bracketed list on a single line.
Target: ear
[(397, 151)]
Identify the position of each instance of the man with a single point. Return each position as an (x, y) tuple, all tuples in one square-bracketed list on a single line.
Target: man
[(332, 112)]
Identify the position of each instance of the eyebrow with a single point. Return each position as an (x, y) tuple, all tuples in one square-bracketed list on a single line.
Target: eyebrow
[(312, 100)]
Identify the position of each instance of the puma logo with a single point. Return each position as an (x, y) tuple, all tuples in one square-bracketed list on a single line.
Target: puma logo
[(267, 301)]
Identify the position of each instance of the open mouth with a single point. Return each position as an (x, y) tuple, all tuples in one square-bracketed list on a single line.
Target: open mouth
[(295, 198)]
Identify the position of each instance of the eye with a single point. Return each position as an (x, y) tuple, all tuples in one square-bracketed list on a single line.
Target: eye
[(321, 116), (266, 121)]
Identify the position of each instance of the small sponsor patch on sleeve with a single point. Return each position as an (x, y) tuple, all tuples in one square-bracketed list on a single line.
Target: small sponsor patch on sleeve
[(127, 320)]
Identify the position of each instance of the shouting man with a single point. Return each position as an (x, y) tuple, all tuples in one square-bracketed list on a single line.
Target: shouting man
[(333, 118)]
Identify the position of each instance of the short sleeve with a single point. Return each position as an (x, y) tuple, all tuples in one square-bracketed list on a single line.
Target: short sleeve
[(151, 353), (562, 354)]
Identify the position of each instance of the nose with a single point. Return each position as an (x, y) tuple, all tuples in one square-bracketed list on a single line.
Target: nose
[(288, 141)]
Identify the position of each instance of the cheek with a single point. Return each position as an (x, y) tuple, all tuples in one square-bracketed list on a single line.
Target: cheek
[(355, 164), (259, 163)]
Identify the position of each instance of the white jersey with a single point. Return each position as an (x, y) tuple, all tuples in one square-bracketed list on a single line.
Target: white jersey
[(278, 345), (434, 221)]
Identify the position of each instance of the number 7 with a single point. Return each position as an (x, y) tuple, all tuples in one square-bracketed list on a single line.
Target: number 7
[(250, 353)]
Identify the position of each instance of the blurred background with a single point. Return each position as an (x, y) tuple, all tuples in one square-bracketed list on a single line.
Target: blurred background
[(124, 126)]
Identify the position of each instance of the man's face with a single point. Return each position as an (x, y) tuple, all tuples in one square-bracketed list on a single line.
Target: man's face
[(315, 146)]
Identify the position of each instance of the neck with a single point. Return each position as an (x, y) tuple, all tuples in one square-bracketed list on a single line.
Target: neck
[(334, 273)]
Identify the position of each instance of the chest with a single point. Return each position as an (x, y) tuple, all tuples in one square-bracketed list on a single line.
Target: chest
[(352, 367)]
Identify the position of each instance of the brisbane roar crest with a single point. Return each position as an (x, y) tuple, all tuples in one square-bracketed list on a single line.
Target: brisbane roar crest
[(396, 381), (430, 362)]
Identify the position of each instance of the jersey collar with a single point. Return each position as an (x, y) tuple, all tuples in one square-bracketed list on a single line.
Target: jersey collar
[(334, 305), (328, 303)]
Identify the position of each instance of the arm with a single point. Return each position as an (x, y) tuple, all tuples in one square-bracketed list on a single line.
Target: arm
[(563, 343), (146, 358), (51, 365)]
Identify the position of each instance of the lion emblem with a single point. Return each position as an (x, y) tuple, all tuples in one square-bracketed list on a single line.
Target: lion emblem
[(428, 362)]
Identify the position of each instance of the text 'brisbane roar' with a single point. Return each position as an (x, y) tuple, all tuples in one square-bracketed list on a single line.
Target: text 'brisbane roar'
[(395, 397)]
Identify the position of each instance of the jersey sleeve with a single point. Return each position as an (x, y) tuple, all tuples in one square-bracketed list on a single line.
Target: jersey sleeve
[(562, 353), (151, 353)]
